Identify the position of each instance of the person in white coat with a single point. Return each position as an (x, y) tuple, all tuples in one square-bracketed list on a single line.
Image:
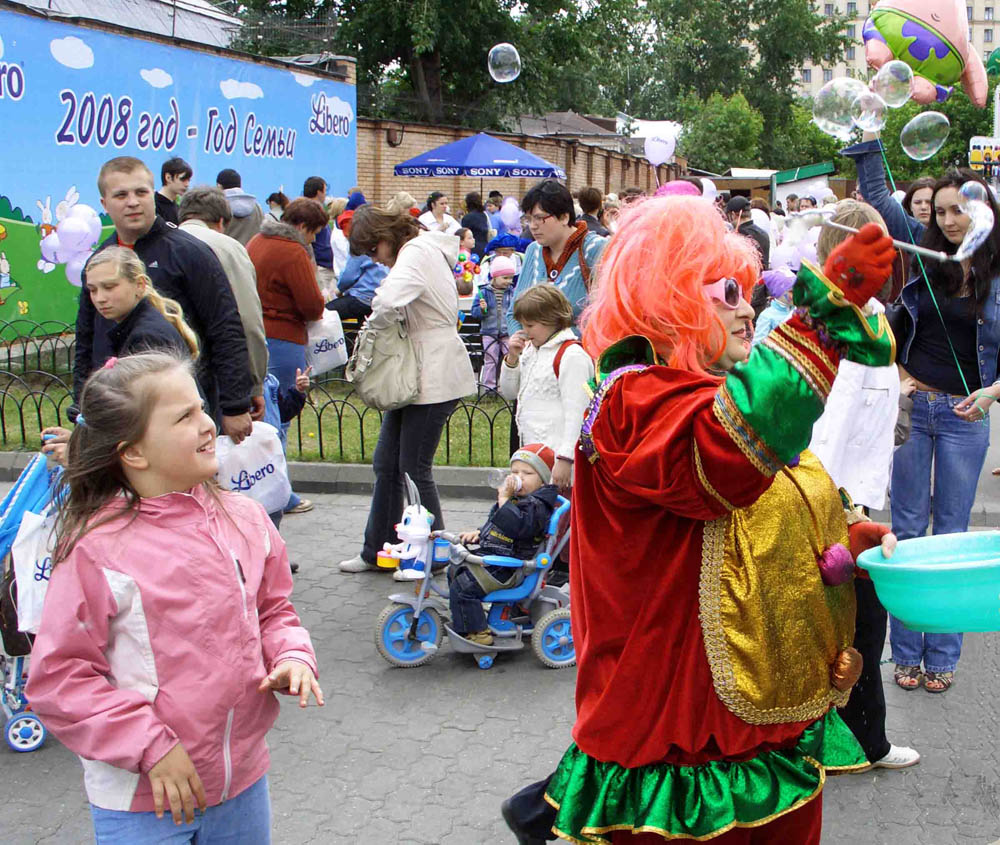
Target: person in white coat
[(547, 370), (436, 217), (421, 285)]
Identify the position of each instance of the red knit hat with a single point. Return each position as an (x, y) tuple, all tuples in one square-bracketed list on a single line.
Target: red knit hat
[(539, 457)]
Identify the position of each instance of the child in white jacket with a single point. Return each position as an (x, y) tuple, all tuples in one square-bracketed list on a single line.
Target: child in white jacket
[(547, 371)]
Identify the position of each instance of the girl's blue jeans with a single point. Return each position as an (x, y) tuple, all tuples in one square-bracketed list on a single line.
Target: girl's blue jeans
[(283, 358), (242, 820), (955, 450)]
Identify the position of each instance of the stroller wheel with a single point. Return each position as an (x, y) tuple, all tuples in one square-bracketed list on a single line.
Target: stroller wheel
[(552, 640), (392, 635), (25, 732)]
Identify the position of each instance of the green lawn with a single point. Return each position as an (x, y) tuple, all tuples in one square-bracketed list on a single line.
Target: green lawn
[(332, 426)]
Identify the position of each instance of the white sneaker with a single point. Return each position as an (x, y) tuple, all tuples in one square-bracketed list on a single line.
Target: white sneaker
[(356, 564), (899, 757)]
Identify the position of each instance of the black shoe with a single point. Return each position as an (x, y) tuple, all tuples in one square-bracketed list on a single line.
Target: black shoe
[(294, 567), (522, 838)]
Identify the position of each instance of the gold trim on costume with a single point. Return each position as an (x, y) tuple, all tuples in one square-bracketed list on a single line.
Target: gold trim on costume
[(778, 341), (802, 366), (742, 434), (700, 470)]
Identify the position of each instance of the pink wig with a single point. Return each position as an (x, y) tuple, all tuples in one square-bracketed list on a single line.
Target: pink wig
[(651, 276)]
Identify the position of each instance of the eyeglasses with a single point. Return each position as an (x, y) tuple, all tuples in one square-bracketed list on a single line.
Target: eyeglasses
[(538, 219), (726, 291)]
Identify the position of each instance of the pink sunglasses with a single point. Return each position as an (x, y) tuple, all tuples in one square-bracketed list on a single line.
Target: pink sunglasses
[(727, 291)]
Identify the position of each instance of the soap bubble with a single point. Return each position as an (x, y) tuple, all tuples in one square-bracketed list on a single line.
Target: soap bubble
[(834, 106), (893, 83), (972, 190), (869, 112), (504, 63), (980, 227), (923, 136)]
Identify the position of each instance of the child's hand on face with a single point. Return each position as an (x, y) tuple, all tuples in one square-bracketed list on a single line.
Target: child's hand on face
[(297, 678), (518, 341), (175, 778), (302, 379)]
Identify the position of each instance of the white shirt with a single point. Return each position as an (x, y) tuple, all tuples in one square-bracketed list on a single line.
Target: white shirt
[(550, 411), (449, 225)]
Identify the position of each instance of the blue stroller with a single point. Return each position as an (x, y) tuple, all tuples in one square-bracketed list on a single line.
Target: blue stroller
[(32, 492)]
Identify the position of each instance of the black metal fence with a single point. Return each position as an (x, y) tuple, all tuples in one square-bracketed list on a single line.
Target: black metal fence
[(36, 380)]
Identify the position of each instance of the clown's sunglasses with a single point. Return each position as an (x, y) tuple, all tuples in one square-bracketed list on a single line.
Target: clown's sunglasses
[(727, 291)]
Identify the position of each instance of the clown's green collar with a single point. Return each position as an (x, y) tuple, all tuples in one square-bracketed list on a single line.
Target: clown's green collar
[(634, 349)]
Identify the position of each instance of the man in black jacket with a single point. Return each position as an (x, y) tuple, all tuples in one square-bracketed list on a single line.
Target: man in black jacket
[(184, 269)]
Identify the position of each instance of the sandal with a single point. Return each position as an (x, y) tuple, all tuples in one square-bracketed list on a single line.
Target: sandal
[(907, 677), (939, 681)]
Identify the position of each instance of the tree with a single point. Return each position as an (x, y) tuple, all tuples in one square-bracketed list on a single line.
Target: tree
[(720, 132), (800, 141)]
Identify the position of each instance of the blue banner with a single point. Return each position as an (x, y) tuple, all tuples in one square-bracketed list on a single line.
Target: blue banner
[(72, 97)]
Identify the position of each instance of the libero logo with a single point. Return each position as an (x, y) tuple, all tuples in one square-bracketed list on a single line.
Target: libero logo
[(246, 480)]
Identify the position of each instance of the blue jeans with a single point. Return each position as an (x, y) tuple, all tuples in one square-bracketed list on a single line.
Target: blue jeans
[(956, 449), (242, 820), (283, 359)]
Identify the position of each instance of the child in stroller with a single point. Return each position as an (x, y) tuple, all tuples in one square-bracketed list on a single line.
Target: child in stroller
[(515, 527)]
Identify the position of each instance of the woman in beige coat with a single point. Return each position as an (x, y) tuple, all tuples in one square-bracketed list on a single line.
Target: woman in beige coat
[(421, 285)]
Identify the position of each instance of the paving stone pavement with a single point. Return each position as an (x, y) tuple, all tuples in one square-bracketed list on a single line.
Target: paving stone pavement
[(425, 755)]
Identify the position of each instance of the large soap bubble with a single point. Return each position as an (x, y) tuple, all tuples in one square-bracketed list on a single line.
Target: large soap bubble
[(893, 83), (869, 112), (504, 62), (923, 136), (973, 199), (833, 106)]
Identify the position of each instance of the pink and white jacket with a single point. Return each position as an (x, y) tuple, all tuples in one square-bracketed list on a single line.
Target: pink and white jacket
[(159, 631)]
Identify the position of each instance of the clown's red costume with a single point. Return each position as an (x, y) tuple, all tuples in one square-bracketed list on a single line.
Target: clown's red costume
[(711, 648)]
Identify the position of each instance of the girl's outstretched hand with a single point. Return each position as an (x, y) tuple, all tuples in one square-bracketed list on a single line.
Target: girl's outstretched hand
[(297, 678), (175, 778)]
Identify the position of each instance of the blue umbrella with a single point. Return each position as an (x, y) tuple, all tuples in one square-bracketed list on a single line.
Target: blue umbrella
[(479, 155)]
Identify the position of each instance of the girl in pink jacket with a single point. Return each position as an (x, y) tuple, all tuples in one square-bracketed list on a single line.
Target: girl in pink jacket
[(167, 621)]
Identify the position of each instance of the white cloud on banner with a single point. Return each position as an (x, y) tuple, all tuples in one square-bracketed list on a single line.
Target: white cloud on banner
[(1, 48), (233, 89), (72, 52), (304, 79), (338, 106), (157, 77)]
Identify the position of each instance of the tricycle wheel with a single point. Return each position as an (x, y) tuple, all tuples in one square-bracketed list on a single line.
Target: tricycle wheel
[(552, 640), (392, 635), (25, 732)]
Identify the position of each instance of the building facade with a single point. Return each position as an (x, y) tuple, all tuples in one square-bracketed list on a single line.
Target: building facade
[(984, 35)]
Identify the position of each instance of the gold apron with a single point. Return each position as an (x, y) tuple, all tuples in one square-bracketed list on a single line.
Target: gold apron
[(772, 629)]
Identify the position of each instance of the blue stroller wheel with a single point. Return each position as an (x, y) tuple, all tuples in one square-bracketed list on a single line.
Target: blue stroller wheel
[(392, 635), (552, 640), (25, 732)]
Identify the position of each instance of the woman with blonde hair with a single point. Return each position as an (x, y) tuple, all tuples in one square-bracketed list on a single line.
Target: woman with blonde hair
[(401, 203), (144, 320)]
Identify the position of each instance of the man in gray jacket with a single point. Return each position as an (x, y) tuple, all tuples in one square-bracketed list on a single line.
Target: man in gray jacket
[(205, 213), (247, 213)]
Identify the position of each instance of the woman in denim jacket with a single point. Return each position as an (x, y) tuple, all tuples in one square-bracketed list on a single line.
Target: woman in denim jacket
[(953, 359)]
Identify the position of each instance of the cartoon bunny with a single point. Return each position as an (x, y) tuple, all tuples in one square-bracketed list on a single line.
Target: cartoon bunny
[(415, 532), (45, 228), (66, 205)]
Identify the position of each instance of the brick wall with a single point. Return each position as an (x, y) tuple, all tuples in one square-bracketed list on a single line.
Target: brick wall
[(584, 165)]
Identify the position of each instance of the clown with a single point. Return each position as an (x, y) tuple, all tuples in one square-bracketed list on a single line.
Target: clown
[(713, 644)]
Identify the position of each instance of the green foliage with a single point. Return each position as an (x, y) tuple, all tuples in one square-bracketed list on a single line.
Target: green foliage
[(720, 132)]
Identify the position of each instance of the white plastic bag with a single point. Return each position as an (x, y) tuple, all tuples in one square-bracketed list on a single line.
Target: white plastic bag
[(256, 467), (325, 346), (32, 554)]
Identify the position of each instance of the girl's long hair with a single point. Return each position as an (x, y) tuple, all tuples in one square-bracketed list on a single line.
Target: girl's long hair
[(651, 276), (115, 404), (948, 276), (129, 266)]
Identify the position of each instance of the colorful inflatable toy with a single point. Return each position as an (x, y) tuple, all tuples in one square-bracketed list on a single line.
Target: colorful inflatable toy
[(932, 37)]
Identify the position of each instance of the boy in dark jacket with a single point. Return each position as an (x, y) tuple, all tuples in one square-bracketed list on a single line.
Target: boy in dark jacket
[(515, 527)]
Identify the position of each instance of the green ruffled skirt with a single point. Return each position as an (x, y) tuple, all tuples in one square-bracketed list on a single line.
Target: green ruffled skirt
[(595, 798)]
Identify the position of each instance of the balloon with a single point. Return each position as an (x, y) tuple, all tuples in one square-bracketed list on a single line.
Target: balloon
[(923, 136), (74, 268), (993, 63), (893, 83), (82, 210), (52, 250), (833, 106), (74, 234), (658, 150), (869, 112), (932, 37), (709, 192), (95, 228), (504, 63), (510, 214)]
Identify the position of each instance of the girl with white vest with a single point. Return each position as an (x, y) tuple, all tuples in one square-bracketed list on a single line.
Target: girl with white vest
[(547, 371)]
